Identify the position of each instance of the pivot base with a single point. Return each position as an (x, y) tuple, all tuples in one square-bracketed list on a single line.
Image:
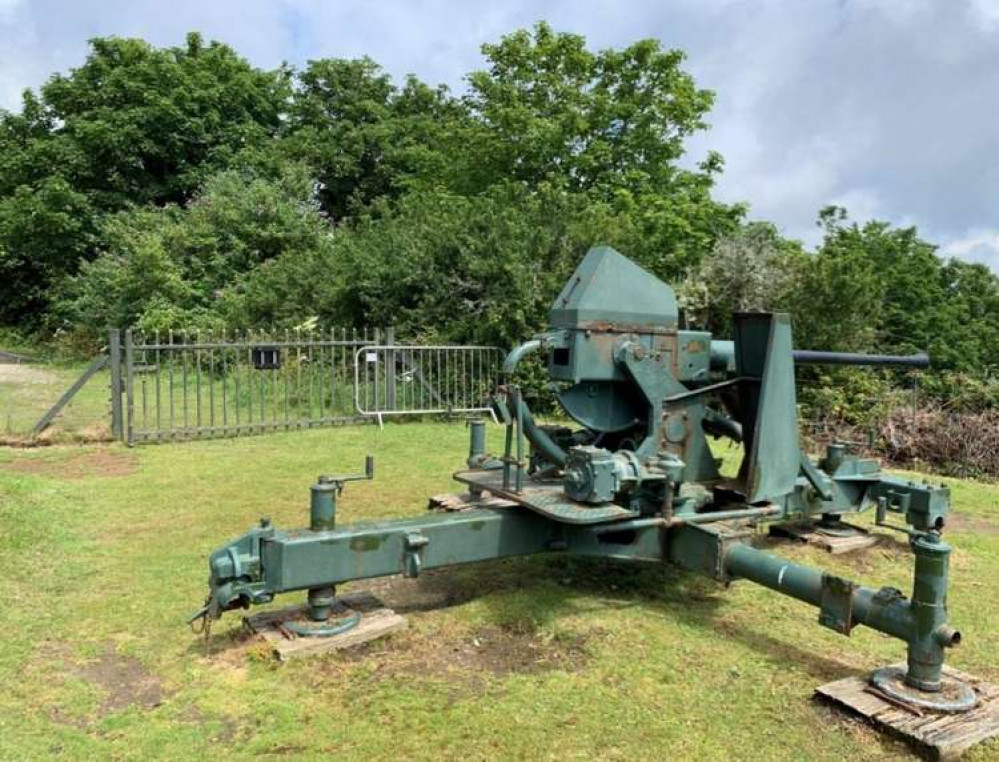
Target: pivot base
[(954, 695), (326, 628)]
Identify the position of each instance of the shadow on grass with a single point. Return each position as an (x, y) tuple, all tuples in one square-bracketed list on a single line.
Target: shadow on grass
[(525, 595)]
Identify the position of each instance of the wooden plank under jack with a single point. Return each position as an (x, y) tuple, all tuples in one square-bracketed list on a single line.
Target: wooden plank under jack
[(376, 621), (937, 735), (466, 501), (813, 536)]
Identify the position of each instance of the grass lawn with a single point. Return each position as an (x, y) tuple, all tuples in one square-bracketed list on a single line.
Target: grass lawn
[(28, 391), (103, 554)]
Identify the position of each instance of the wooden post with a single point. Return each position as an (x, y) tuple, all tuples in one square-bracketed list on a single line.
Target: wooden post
[(114, 358), (129, 389)]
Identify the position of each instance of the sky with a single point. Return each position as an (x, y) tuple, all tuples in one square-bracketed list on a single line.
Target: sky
[(886, 107)]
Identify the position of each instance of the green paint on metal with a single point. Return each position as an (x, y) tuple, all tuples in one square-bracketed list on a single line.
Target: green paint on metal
[(366, 543), (763, 352), (638, 481), (594, 293)]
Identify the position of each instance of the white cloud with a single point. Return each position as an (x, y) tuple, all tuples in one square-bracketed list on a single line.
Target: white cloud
[(7, 9), (986, 13), (981, 245)]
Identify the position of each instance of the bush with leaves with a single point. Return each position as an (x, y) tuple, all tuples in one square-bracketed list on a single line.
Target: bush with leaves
[(170, 267)]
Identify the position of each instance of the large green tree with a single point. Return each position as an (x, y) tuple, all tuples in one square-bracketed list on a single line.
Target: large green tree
[(133, 125)]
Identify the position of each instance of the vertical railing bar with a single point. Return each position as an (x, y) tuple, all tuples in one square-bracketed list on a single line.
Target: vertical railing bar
[(262, 384), (274, 391), (332, 374), (171, 353), (235, 378), (379, 371), (197, 377), (225, 382), (211, 383), (159, 422), (312, 380), (298, 373), (284, 377), (364, 364), (249, 377), (145, 393), (184, 377), (322, 374), (338, 371)]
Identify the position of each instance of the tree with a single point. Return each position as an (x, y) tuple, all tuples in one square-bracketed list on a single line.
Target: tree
[(752, 270), (364, 138), (611, 125), (171, 267), (133, 125), (613, 119)]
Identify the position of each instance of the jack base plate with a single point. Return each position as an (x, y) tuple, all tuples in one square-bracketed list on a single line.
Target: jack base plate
[(935, 735), (954, 695)]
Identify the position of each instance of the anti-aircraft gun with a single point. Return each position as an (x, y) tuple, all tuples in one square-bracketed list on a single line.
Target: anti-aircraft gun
[(638, 480)]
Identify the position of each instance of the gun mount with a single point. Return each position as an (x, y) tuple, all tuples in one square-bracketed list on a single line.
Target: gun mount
[(638, 480)]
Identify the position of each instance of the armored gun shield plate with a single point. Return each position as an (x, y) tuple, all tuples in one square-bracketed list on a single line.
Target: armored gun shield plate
[(603, 406), (547, 498)]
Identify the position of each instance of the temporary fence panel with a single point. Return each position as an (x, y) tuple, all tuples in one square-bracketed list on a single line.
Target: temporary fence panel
[(411, 380)]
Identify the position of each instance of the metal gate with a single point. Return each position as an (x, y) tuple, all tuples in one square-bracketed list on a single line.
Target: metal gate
[(186, 386), (177, 386), (433, 379)]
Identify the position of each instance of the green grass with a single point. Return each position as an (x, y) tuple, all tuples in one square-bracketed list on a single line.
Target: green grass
[(28, 391), (103, 569)]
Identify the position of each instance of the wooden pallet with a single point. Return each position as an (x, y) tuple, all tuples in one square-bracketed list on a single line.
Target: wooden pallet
[(376, 621), (939, 736), (810, 534), (465, 500)]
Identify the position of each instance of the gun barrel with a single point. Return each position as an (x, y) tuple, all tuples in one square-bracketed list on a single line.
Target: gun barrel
[(811, 357), (723, 358)]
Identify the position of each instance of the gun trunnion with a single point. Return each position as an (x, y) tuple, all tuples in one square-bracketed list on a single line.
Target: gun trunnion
[(637, 480)]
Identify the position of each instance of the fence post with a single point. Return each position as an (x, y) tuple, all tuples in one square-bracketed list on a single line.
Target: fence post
[(390, 369), (114, 358), (129, 391), (378, 340)]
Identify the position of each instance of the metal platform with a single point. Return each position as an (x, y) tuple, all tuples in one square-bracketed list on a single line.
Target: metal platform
[(545, 497)]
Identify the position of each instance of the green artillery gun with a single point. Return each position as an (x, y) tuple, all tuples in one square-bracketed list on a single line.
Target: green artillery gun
[(638, 481)]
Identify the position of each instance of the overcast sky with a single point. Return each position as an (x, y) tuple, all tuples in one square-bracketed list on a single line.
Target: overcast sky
[(887, 107)]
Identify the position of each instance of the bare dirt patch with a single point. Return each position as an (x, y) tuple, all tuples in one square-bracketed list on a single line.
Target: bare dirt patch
[(99, 462), (432, 590), (465, 658), (958, 522), (124, 681)]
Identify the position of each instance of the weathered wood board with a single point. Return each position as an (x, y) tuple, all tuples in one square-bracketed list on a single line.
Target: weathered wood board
[(938, 736), (376, 621), (808, 533), (465, 500)]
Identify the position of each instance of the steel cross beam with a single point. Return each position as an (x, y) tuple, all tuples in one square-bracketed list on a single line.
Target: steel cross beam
[(266, 562)]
